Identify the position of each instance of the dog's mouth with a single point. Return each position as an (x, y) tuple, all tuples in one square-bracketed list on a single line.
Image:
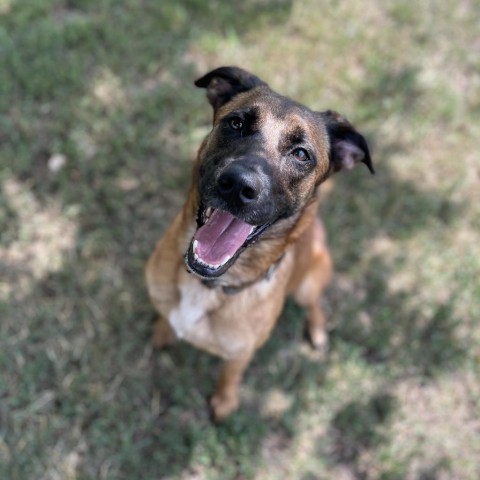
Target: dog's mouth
[(218, 241)]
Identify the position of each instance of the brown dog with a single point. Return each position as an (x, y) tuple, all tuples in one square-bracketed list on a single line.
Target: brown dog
[(247, 235)]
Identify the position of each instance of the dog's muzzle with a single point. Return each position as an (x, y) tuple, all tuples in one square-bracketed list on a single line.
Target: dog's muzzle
[(236, 210)]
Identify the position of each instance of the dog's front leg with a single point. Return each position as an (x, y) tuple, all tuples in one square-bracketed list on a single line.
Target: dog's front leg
[(225, 400), (163, 333)]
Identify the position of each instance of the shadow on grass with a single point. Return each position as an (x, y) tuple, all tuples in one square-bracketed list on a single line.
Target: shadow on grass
[(358, 427), (395, 333), (375, 321), (359, 211)]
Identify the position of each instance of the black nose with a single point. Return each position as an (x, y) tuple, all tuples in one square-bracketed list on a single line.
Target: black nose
[(239, 185)]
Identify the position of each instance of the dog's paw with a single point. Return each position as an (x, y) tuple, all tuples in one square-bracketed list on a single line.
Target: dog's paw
[(319, 339), (222, 406)]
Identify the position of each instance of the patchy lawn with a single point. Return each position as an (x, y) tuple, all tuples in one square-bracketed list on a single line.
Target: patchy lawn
[(99, 121)]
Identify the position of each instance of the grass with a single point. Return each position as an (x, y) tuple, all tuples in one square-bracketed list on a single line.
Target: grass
[(99, 122)]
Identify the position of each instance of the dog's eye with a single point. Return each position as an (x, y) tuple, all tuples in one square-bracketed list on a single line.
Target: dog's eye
[(300, 154), (235, 123)]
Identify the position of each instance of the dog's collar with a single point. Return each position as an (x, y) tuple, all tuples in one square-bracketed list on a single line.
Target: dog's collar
[(233, 289)]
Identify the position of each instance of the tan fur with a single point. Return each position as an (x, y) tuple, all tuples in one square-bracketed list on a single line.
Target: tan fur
[(235, 326)]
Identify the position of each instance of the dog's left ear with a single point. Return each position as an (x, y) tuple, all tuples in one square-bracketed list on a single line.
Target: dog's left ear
[(347, 146), (224, 83)]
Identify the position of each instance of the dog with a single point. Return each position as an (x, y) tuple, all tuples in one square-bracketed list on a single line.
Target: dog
[(248, 234)]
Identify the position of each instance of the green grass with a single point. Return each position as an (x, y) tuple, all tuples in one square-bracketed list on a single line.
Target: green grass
[(108, 87)]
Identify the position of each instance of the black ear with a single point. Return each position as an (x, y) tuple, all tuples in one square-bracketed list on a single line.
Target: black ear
[(347, 146), (224, 83)]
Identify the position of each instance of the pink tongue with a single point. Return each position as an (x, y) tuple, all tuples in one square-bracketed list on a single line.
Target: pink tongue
[(220, 237)]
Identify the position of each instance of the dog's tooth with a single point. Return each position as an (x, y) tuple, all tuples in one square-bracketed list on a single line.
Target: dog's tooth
[(202, 262)]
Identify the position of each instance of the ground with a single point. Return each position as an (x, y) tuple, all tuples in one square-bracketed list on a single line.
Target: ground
[(99, 122)]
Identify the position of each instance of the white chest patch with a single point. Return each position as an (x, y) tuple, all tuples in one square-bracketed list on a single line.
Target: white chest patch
[(195, 299)]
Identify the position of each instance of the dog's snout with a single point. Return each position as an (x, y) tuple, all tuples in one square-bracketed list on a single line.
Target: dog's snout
[(239, 185)]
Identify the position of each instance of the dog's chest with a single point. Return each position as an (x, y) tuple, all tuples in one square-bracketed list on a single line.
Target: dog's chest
[(195, 301)]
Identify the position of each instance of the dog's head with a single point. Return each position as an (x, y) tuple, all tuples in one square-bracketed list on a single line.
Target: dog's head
[(261, 163)]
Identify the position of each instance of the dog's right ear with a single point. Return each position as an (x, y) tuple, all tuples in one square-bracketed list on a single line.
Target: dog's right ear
[(224, 83)]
